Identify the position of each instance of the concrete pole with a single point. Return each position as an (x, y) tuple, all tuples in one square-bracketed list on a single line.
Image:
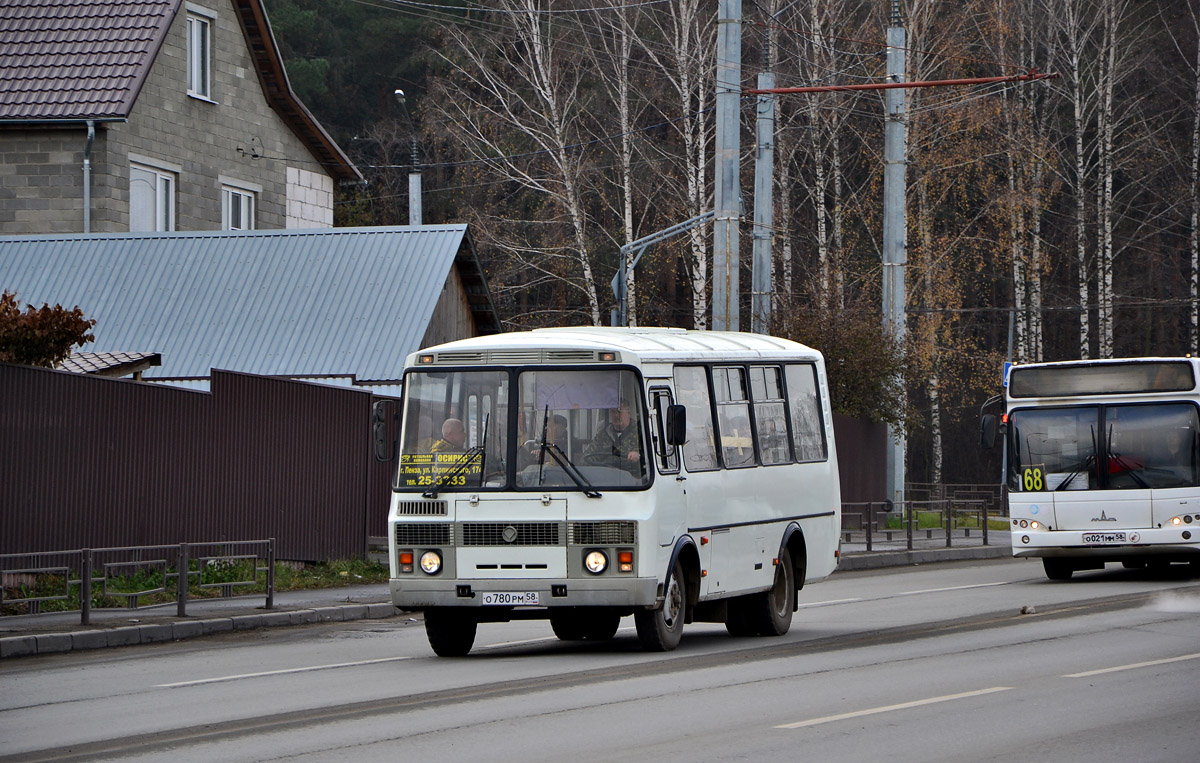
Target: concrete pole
[(727, 190), (764, 219), (895, 228)]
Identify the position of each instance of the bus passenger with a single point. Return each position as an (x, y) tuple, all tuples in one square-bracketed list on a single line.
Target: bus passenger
[(454, 438)]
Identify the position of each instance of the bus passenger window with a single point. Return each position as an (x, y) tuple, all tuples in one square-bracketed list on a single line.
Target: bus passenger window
[(733, 416), (804, 402), (770, 418), (700, 450)]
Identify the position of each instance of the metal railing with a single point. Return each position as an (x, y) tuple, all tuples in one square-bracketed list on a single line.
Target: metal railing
[(871, 520), (130, 573)]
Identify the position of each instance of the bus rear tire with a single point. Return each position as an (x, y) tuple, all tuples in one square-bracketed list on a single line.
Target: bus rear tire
[(772, 610), (451, 632), (661, 629), (590, 626), (1057, 569)]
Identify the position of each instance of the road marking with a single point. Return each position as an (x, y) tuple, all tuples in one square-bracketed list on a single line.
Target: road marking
[(1134, 665), (626, 629), (889, 708), (954, 588), (309, 669), (827, 603)]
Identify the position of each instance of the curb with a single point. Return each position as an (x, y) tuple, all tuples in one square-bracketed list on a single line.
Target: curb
[(877, 559), (54, 643)]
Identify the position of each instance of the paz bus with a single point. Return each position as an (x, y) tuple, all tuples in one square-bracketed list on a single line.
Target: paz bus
[(1103, 462), (581, 475)]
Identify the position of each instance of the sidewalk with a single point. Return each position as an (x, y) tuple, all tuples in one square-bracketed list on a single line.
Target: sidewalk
[(23, 635)]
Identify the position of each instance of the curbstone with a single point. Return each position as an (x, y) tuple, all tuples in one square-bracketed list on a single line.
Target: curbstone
[(246, 622), (18, 646), (303, 617), (48, 643), (275, 619), (328, 614), (354, 612), (217, 625), (152, 634), (186, 630), (381, 611), (89, 640), (127, 636)]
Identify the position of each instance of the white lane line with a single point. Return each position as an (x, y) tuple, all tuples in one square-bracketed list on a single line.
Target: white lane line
[(626, 629), (1165, 661), (827, 603), (308, 669), (954, 588), (889, 708)]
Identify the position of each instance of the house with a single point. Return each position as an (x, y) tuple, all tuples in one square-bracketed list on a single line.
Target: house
[(155, 115), (340, 306)]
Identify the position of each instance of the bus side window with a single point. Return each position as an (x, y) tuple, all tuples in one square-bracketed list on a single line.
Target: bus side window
[(804, 403), (700, 450), (666, 455), (733, 416), (769, 415)]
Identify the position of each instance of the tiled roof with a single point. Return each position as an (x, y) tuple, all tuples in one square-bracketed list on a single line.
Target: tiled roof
[(77, 59), (110, 363)]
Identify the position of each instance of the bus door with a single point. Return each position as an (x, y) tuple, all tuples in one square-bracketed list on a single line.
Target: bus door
[(670, 505)]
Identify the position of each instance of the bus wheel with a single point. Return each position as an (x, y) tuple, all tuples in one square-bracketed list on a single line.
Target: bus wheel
[(660, 629), (451, 632), (771, 611), (1057, 569)]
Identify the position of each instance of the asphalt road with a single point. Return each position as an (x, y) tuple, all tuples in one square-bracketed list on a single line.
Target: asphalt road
[(958, 661)]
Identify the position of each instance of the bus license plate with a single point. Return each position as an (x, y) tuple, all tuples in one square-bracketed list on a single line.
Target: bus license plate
[(511, 599), (1104, 538)]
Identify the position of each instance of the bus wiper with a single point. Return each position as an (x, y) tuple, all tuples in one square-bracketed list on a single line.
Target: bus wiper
[(568, 467), (1087, 463), (445, 479), (467, 458)]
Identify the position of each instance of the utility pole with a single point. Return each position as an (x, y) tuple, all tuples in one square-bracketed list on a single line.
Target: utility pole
[(727, 190), (414, 174), (761, 287), (895, 228)]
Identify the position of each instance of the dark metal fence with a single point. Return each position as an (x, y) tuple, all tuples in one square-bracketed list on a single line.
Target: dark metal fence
[(126, 576), (872, 522)]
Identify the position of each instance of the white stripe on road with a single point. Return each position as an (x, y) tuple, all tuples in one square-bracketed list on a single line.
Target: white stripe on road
[(889, 708), (1134, 665), (954, 588), (827, 603), (309, 669)]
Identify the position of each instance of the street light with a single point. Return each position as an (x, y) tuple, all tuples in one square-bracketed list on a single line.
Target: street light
[(414, 176)]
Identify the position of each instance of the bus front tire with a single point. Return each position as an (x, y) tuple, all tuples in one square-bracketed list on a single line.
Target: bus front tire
[(660, 629), (1057, 569), (451, 632)]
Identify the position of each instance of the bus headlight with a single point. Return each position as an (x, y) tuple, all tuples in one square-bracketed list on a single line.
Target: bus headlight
[(431, 562), (595, 562)]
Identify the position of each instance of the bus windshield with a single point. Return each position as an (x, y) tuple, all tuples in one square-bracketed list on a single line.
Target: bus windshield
[(568, 429), (1113, 447)]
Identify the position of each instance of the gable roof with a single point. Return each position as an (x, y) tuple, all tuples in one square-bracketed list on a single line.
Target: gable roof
[(319, 302), (79, 60)]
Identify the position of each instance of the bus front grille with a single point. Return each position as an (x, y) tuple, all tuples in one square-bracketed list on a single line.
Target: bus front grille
[(421, 508), (509, 533), (610, 533), (423, 534)]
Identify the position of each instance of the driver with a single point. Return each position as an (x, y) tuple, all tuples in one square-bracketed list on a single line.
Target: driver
[(454, 437), (617, 440)]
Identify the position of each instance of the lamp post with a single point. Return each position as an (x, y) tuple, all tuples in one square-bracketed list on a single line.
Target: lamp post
[(414, 175)]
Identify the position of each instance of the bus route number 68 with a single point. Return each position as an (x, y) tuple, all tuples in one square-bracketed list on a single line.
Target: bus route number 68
[(1032, 479)]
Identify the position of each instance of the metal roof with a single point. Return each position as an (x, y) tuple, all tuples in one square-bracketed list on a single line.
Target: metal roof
[(320, 302), (109, 363)]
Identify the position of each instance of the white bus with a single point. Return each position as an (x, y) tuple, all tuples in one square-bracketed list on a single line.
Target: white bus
[(584, 474), (1103, 462)]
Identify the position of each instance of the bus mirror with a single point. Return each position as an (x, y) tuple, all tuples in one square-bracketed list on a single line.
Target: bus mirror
[(676, 424), (987, 430), (379, 428)]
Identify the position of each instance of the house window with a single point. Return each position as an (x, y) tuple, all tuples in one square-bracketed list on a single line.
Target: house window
[(199, 55), (237, 209), (151, 199)]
